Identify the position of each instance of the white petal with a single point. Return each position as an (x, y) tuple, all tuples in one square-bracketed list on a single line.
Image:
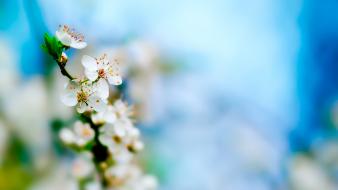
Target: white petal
[(107, 129), (89, 63), (78, 45), (81, 107), (109, 115), (102, 88), (78, 125), (134, 132), (98, 118), (91, 75), (59, 34), (105, 139), (115, 80), (138, 145), (96, 103), (65, 38), (67, 136), (119, 129), (84, 131), (69, 99)]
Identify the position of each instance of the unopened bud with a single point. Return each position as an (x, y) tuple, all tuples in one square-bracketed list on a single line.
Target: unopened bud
[(63, 59)]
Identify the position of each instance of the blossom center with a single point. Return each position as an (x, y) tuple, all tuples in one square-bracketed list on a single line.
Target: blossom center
[(71, 32), (82, 96), (117, 139), (101, 73), (86, 132)]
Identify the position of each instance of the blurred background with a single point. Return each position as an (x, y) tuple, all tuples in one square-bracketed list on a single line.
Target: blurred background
[(230, 94)]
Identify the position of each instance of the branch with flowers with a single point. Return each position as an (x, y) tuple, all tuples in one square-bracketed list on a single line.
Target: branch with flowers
[(104, 137)]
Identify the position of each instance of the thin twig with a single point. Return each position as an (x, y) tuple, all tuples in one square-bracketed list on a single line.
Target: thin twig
[(64, 71)]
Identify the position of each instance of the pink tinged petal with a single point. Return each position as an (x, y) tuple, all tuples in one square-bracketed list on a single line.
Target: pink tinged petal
[(69, 99), (81, 107), (89, 63), (115, 80), (96, 104), (102, 89), (78, 45), (91, 75)]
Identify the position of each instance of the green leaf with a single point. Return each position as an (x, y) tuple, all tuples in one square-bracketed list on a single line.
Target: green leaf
[(52, 46)]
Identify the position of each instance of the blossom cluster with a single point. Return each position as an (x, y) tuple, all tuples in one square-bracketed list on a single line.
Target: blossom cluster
[(105, 132)]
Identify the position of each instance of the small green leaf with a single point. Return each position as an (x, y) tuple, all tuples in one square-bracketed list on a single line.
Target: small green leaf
[(52, 46)]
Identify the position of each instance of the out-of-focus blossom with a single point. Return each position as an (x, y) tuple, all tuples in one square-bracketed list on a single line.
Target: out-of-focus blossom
[(81, 134), (58, 178), (108, 116), (129, 176), (70, 38), (123, 111), (93, 186), (56, 109), (306, 174), (9, 76), (82, 167), (27, 110), (145, 77), (4, 136)]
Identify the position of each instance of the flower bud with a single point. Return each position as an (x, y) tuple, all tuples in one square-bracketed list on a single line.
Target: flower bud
[(63, 59)]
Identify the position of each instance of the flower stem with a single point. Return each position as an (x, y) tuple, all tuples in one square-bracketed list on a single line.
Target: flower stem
[(99, 151), (63, 70)]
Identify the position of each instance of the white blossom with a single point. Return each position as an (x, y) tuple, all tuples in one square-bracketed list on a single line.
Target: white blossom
[(82, 167), (70, 38), (101, 69), (120, 137), (108, 116), (83, 95), (80, 134), (130, 176)]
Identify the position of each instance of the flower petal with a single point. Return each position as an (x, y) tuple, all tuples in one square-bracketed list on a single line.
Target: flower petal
[(67, 136), (115, 80), (109, 115), (119, 129), (81, 107), (59, 34), (91, 75), (96, 103), (89, 63), (102, 88), (105, 139), (78, 45), (78, 125), (69, 99), (65, 38)]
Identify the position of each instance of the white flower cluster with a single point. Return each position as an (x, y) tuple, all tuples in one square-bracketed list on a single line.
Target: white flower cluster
[(91, 93), (109, 126)]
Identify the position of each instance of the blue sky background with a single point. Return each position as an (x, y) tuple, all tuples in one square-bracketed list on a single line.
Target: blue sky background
[(259, 75)]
